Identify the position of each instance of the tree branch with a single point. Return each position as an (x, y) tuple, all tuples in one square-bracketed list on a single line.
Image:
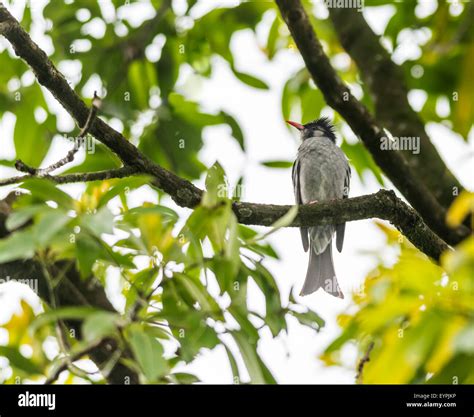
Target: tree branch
[(384, 205), (69, 360), (338, 96), (77, 142), (42, 172), (363, 361), (387, 84), (123, 172)]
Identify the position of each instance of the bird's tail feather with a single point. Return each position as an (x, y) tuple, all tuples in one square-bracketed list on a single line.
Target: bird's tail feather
[(321, 274)]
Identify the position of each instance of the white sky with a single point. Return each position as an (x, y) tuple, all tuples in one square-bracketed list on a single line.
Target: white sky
[(293, 357)]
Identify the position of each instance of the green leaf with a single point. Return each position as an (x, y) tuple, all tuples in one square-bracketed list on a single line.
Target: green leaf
[(299, 94), (251, 80), (216, 186), (198, 292), (348, 333), (235, 127), (196, 224), (240, 314), (460, 208), (232, 248), (288, 100), (274, 314), (148, 352), (464, 340), (277, 164), (99, 325), (65, 313), (273, 35), (159, 332), (312, 102), (10, 163), (233, 365), (463, 113), (224, 270), (44, 190), (98, 160), (32, 140), (309, 318), (361, 160), (48, 225), (283, 221), (154, 209), (175, 139), (168, 66), (88, 251), (19, 245), (246, 232), (17, 360), (141, 77), (263, 250), (123, 185), (259, 373), (22, 215), (460, 368), (238, 190), (185, 378), (99, 222)]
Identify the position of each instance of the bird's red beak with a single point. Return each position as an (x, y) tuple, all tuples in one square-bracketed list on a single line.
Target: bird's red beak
[(299, 126)]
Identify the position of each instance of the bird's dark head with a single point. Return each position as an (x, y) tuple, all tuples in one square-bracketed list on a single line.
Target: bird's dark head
[(317, 128)]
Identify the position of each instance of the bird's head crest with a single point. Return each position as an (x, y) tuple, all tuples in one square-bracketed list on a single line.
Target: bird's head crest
[(319, 126)]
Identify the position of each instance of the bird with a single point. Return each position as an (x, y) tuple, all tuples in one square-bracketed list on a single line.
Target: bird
[(321, 172)]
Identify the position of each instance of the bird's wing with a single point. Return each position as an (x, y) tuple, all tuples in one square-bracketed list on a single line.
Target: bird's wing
[(340, 228), (296, 186)]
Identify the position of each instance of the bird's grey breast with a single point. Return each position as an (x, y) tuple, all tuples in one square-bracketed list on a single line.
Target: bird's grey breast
[(323, 168)]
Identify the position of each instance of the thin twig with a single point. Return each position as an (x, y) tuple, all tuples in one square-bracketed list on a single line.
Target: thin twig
[(42, 172), (110, 364), (60, 335), (77, 142), (22, 167), (123, 172), (69, 359), (363, 361)]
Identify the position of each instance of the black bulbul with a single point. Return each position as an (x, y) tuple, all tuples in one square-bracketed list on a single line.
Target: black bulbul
[(321, 172)]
